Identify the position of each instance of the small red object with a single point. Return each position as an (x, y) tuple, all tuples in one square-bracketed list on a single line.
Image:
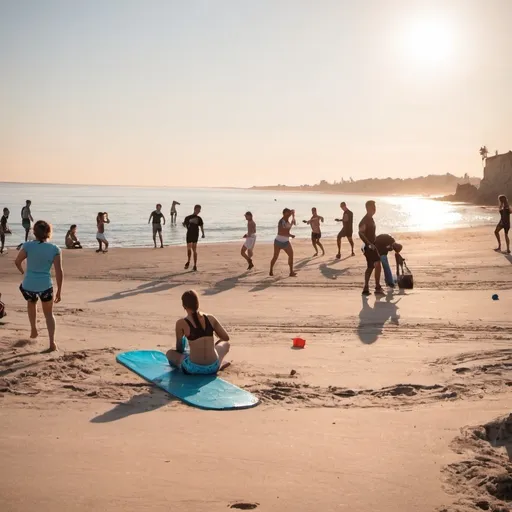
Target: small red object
[(299, 342)]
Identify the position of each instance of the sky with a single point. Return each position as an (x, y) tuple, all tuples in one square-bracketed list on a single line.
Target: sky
[(251, 92)]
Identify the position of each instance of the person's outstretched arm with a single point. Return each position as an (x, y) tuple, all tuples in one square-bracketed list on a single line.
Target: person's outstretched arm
[(59, 275), (219, 330), (22, 256)]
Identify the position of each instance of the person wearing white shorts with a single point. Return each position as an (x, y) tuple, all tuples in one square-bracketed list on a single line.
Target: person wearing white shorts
[(101, 220), (250, 240)]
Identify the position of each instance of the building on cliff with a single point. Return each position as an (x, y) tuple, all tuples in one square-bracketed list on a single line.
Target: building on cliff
[(497, 178)]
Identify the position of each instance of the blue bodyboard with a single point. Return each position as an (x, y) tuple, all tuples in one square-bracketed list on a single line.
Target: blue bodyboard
[(203, 391)]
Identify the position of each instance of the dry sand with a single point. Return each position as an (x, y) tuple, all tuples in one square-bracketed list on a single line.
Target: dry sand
[(386, 412)]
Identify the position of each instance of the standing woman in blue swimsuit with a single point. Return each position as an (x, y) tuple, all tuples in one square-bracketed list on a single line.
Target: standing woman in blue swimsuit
[(205, 355), (282, 241)]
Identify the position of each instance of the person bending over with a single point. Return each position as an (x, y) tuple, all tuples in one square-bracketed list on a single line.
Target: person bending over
[(71, 240)]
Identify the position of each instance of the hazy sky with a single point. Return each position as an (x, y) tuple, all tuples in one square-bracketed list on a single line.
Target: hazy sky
[(239, 92)]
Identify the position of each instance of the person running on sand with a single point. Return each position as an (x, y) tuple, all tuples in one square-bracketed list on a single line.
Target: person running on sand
[(282, 240), (157, 216), (101, 220), (37, 283), (347, 230), (26, 218), (316, 232), (193, 223), (196, 332), (367, 231), (247, 250), (4, 229), (174, 212), (504, 223)]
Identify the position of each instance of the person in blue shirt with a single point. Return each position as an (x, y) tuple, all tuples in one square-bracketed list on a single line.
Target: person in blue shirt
[(37, 282)]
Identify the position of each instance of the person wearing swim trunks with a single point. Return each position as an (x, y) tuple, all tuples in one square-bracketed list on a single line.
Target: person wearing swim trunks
[(250, 240), (282, 240), (347, 230), (37, 284), (504, 223), (193, 223), (367, 229), (174, 212), (197, 332), (26, 218), (384, 244), (101, 220), (316, 232), (71, 239), (157, 216), (4, 229)]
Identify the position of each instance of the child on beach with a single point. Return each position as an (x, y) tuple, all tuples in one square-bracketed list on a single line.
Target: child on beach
[(4, 229), (101, 220), (196, 332), (71, 239), (37, 282)]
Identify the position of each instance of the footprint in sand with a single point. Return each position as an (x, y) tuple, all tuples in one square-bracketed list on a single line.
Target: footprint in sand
[(244, 506)]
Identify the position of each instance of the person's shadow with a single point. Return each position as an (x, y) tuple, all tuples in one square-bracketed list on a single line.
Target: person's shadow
[(144, 402), (225, 284), (331, 273), (372, 320)]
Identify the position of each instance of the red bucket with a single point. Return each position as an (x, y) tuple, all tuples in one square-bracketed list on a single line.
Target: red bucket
[(299, 343)]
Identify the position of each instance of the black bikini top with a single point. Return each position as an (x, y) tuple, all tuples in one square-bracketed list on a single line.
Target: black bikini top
[(197, 332)]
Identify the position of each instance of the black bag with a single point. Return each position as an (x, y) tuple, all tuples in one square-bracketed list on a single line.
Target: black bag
[(405, 279)]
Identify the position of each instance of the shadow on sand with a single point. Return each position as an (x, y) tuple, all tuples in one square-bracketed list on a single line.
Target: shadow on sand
[(144, 402), (372, 319), (269, 281), (225, 284)]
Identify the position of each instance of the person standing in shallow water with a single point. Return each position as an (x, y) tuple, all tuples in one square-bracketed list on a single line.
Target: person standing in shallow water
[(174, 212), (504, 223), (157, 216), (101, 220), (37, 283), (26, 218)]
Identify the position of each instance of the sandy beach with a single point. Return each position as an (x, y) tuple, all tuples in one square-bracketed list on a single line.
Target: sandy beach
[(386, 410)]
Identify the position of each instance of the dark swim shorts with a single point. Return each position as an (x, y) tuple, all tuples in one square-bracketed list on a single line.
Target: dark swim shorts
[(192, 239), (46, 296), (157, 228), (505, 227), (316, 236), (345, 233), (25, 223), (372, 257)]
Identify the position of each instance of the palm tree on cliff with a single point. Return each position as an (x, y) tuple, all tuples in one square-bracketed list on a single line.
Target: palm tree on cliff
[(483, 153)]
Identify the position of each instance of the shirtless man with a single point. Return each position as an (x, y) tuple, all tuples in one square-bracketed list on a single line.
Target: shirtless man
[(157, 216), (101, 220), (282, 241), (193, 223), (250, 240), (316, 232), (347, 230), (367, 234), (4, 229), (174, 212), (26, 218)]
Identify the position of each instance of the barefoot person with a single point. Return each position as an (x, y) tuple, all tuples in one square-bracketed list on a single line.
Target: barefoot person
[(71, 239), (347, 230), (282, 240), (4, 229), (174, 212), (157, 216), (504, 223), (250, 239), (101, 220), (367, 230), (37, 283), (26, 218), (385, 243), (193, 223), (316, 232), (196, 332)]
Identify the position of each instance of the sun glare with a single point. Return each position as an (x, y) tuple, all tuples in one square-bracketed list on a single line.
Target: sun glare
[(429, 41)]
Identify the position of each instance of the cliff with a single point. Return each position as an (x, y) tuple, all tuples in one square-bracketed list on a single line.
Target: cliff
[(497, 179)]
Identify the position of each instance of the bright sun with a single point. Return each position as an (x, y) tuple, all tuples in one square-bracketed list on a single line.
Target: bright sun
[(429, 41)]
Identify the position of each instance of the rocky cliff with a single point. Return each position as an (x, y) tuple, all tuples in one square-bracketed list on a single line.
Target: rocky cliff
[(497, 179)]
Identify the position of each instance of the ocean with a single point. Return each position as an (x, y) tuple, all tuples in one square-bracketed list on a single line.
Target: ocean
[(222, 211)]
